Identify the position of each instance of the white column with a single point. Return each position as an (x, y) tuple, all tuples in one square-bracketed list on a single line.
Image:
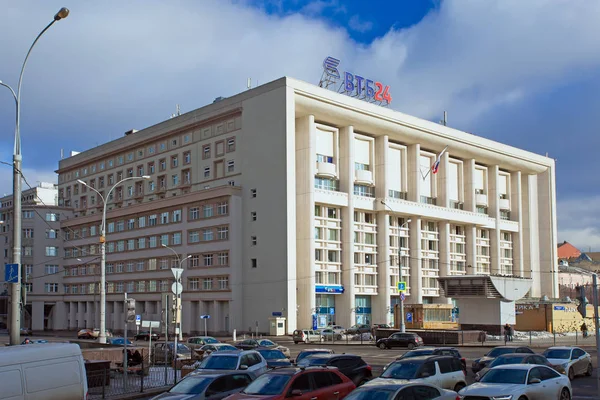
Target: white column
[(547, 233), (217, 318), (381, 302), (516, 214), (414, 173), (494, 212), (469, 179), (444, 262), (471, 248), (531, 238), (416, 273), (345, 304), (443, 183), (306, 158)]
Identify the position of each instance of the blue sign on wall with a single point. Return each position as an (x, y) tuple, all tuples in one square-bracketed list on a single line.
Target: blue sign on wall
[(559, 308), (331, 310), (277, 313), (11, 273), (314, 321), (409, 317), (329, 289)]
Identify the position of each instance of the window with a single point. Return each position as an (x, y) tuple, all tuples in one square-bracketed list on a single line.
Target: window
[(223, 258), (152, 220), (193, 237), (141, 243), (177, 238), (130, 266), (207, 211), (253, 215), (254, 240), (176, 216), (332, 213), (162, 164), (164, 218), (223, 282), (253, 192), (230, 166), (223, 233), (131, 223), (253, 263), (152, 242), (130, 244), (187, 157), (175, 180), (193, 284), (186, 138), (120, 226), (29, 215), (207, 284), (28, 233), (208, 260), (207, 172), (206, 152), (194, 213), (174, 162), (50, 216), (230, 145), (207, 235), (51, 251), (51, 287), (164, 239), (222, 208)]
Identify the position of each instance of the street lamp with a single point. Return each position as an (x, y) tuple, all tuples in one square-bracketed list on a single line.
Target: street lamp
[(102, 335), (402, 326), (15, 319), (177, 272)]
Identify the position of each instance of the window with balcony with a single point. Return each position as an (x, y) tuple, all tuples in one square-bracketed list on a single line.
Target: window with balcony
[(364, 190), (326, 184)]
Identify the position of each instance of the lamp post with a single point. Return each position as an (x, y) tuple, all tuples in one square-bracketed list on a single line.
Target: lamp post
[(177, 272), (102, 335), (402, 325), (15, 318)]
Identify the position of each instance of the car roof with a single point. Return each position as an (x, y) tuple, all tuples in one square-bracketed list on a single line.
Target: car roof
[(563, 348), (393, 384), (211, 373), (518, 366), (425, 358), (513, 355), (297, 370), (332, 355), (323, 350), (266, 348), (511, 347)]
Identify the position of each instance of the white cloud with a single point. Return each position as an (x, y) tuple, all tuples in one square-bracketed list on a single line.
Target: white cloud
[(32, 176), (579, 222), (358, 25)]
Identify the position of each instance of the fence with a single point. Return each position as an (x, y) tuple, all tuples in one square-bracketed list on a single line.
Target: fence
[(105, 382)]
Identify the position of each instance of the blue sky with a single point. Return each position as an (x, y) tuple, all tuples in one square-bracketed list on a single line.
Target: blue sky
[(522, 73)]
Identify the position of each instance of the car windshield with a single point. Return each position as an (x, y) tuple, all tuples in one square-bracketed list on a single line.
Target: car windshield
[(558, 353), (501, 375), (313, 361), (210, 340), (192, 385), (372, 394), (181, 348), (268, 385), (271, 354), (401, 370), (305, 354), (506, 360), (416, 353), (498, 351), (266, 343), (219, 362), (226, 347)]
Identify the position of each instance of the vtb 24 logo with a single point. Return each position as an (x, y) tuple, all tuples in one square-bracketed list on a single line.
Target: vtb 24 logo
[(356, 85)]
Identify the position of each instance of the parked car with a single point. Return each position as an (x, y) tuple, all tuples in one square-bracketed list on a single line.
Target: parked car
[(442, 371), (484, 361), (358, 328), (329, 334), (85, 334), (118, 341), (306, 336), (350, 365), (160, 348), (195, 342), (523, 358), (398, 339), (249, 344), (390, 391), (25, 332), (520, 381), (247, 360), (145, 335), (336, 328), (275, 358), (573, 360), (208, 349), (213, 386), (434, 351), (309, 352), (298, 383)]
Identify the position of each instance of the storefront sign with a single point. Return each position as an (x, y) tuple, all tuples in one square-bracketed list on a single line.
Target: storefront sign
[(353, 84), (329, 289), (559, 308)]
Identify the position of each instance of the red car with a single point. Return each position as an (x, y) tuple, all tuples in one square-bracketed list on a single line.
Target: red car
[(299, 384)]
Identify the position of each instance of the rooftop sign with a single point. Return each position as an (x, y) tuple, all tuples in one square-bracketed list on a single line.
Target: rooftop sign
[(353, 84)]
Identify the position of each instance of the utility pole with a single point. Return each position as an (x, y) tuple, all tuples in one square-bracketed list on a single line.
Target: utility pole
[(596, 327)]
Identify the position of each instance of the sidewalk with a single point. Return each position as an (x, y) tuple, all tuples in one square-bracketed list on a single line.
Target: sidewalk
[(158, 380)]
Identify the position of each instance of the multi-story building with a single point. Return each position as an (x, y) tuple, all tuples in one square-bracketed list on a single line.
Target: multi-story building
[(297, 200), (41, 254)]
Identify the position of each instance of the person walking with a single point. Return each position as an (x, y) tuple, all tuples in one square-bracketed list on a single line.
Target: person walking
[(584, 330), (506, 333), (482, 337)]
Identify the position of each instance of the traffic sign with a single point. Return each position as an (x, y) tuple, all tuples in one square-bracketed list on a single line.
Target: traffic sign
[(138, 319), (409, 317), (177, 288), (11, 273), (204, 316), (331, 310), (401, 286), (402, 296)]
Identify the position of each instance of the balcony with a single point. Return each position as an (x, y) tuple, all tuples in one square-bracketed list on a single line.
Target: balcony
[(504, 203), (395, 194), (326, 169), (480, 198), (458, 205), (428, 200), (327, 184), (363, 176), (362, 190)]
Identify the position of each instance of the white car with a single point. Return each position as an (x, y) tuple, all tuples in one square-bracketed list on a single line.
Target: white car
[(442, 371), (336, 328), (248, 360), (520, 381), (331, 334), (306, 336), (388, 391), (574, 360)]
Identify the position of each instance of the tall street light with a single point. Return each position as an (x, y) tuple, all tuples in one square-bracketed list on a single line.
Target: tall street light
[(102, 335), (402, 326), (15, 318), (177, 272)]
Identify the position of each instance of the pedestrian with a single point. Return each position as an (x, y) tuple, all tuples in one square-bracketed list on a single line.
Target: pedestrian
[(482, 337), (506, 333), (26, 341), (584, 329)]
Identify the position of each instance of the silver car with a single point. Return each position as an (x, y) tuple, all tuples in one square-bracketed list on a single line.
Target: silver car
[(573, 360), (387, 391), (516, 381)]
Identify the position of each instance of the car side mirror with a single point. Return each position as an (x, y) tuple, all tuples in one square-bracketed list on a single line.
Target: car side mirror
[(243, 367), (534, 381), (296, 392)]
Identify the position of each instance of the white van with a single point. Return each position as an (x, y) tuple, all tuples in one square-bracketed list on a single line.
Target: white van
[(42, 371)]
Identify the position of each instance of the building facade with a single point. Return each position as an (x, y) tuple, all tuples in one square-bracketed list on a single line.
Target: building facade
[(297, 201), (41, 255)]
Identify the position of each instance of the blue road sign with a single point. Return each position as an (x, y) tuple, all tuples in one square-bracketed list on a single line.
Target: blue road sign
[(402, 296), (401, 286), (408, 317), (138, 317), (314, 321), (204, 316), (11, 273), (331, 310)]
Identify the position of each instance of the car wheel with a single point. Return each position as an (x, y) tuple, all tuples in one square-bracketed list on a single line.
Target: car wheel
[(339, 337), (382, 346), (571, 374), (411, 346), (522, 398), (588, 372), (459, 386), (295, 342), (565, 395)]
